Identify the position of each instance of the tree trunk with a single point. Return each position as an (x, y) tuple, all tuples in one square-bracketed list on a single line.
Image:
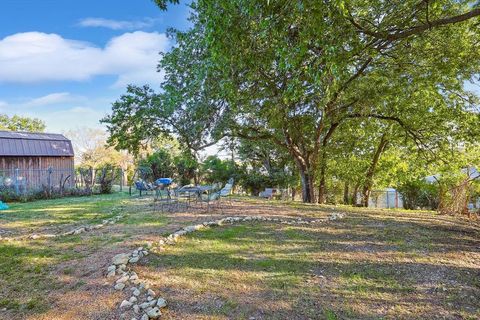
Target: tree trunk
[(345, 193), (322, 187), (306, 177), (308, 195), (367, 187), (355, 195)]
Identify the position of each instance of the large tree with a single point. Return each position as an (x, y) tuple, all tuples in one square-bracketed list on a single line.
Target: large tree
[(293, 72)]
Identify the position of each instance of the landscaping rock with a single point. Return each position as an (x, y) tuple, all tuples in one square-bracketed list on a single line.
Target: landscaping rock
[(144, 317), (161, 303), (133, 299), (123, 279), (150, 292), (126, 304), (111, 274), (136, 308), (134, 259), (119, 286), (111, 268), (136, 292), (154, 313), (144, 305), (120, 259)]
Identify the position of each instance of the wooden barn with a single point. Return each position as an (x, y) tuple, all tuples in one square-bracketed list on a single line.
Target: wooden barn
[(31, 161)]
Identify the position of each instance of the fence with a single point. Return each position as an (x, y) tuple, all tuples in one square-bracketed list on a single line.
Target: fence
[(22, 181)]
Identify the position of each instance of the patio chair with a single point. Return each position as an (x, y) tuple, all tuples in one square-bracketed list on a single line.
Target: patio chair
[(226, 193), (186, 195), (210, 200), (142, 186), (165, 199)]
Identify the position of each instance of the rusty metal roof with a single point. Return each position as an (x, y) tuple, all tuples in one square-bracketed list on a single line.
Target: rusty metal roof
[(23, 144)]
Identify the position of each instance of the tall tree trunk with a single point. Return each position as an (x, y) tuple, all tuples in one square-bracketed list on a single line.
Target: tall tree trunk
[(322, 186), (306, 178), (345, 193), (367, 187), (355, 195)]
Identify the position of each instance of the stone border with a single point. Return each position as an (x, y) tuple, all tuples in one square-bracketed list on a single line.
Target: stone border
[(75, 231), (143, 300)]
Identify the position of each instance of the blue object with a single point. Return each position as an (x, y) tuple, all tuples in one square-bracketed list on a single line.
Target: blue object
[(164, 181), (141, 186), (3, 206)]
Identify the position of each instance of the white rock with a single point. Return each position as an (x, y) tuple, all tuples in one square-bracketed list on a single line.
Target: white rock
[(133, 277), (136, 292), (152, 303), (133, 299), (144, 317), (120, 259), (136, 308), (134, 259), (126, 304), (123, 279), (151, 292), (154, 313), (119, 286), (161, 303), (149, 298), (111, 268), (111, 274), (144, 305)]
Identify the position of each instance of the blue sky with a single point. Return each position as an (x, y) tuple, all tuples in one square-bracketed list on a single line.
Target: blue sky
[(66, 61)]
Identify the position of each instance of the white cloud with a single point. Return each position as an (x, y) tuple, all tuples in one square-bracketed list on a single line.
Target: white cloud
[(38, 57), (49, 99), (117, 24)]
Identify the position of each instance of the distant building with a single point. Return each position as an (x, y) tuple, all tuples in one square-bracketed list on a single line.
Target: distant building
[(388, 198), (33, 160)]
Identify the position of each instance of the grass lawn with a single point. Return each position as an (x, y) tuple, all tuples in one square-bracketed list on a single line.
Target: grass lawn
[(374, 264), (34, 272)]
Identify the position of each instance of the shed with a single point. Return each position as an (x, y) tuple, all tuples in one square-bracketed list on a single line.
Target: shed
[(33, 160)]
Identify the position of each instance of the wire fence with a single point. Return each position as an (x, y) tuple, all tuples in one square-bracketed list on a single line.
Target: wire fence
[(22, 181)]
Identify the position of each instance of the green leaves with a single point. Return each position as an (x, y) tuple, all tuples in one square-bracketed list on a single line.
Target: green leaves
[(19, 123)]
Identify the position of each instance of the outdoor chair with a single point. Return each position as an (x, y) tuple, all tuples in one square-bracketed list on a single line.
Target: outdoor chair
[(186, 196), (142, 186), (210, 199), (226, 192), (165, 199)]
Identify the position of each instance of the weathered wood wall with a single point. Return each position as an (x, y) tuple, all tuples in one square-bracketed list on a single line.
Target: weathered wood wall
[(33, 172)]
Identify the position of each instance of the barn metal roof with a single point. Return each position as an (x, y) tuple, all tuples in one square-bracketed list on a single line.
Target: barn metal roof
[(23, 144)]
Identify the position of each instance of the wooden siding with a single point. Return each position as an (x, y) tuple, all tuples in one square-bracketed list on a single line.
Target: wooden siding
[(33, 172)]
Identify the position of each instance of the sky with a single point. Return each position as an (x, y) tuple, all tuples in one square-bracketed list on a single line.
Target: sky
[(66, 61)]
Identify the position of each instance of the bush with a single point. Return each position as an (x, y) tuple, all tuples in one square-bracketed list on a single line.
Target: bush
[(419, 194)]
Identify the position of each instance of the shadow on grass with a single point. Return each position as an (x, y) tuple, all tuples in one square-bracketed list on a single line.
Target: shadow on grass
[(344, 262)]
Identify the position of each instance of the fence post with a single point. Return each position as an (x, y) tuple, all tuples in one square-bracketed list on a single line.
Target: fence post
[(49, 179), (17, 189)]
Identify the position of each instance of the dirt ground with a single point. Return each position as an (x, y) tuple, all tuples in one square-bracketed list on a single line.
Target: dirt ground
[(374, 264)]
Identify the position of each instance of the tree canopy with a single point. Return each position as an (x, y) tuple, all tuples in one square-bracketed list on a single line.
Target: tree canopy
[(312, 77), (19, 123)]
